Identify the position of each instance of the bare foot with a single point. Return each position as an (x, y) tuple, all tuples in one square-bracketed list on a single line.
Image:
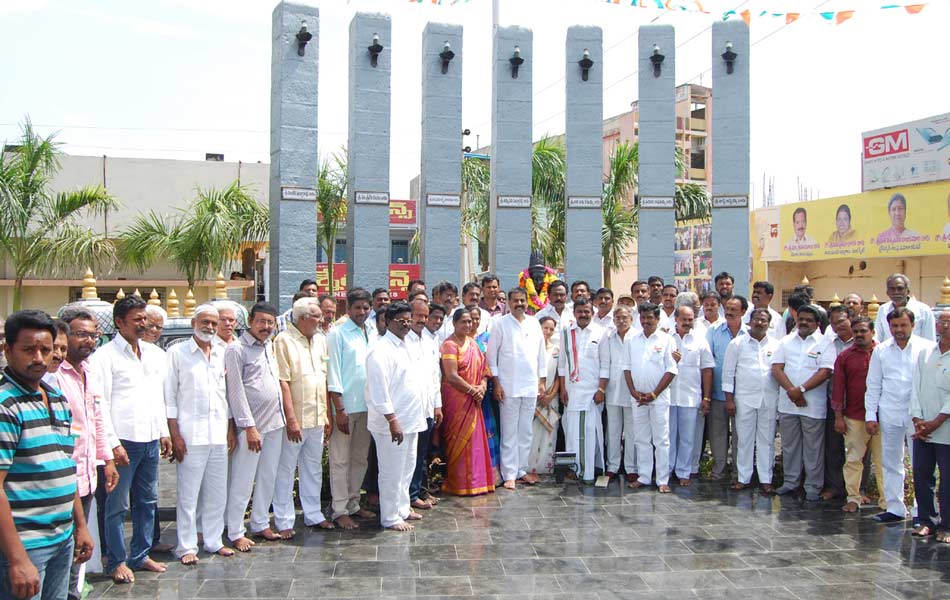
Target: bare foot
[(768, 488), (243, 544), (414, 516), (161, 548), (421, 504), (324, 525), (509, 484), (664, 489), (266, 534), (401, 526), (685, 482), (224, 551), (372, 499), (365, 514), (635, 484), (850, 507), (432, 500), (123, 574), (287, 534), (153, 565), (189, 559), (347, 522)]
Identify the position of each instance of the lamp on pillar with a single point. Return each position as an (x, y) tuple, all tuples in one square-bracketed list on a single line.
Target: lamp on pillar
[(375, 49), (190, 303), (303, 37), (220, 287), (657, 59), (873, 306), (153, 298), (730, 57), (516, 61), (585, 63), (446, 56), (171, 305), (89, 291)]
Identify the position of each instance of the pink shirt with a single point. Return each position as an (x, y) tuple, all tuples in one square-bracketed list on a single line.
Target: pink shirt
[(90, 428)]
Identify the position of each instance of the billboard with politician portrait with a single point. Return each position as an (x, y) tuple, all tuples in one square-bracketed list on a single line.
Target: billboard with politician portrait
[(906, 221)]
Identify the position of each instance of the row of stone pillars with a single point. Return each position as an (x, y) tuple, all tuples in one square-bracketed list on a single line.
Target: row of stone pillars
[(294, 158)]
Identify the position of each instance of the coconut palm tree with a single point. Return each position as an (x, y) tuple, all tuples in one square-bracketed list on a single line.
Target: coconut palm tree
[(200, 240), (331, 204), (620, 220), (476, 184), (40, 232)]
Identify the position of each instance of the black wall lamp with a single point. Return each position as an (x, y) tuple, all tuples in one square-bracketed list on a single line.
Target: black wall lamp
[(374, 50), (303, 36), (730, 57), (657, 59), (516, 61), (586, 63), (446, 55)]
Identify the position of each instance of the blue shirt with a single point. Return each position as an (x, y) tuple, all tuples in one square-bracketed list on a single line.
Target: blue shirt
[(348, 345), (719, 336), (36, 447)]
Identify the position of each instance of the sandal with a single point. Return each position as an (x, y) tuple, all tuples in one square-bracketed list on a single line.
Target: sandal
[(922, 531), (737, 486), (943, 536)]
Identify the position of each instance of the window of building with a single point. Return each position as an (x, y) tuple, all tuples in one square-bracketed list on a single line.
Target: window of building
[(339, 252), (400, 251)]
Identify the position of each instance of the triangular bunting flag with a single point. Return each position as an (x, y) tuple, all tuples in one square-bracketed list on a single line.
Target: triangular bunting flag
[(747, 17), (914, 8), (791, 18), (843, 15), (828, 16)]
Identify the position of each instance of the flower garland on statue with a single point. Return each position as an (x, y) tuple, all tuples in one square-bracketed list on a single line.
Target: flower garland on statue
[(537, 300)]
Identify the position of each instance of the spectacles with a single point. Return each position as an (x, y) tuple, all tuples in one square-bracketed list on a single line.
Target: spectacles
[(403, 321), (84, 335), (153, 326)]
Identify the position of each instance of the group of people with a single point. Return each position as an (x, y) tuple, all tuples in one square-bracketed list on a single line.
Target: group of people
[(470, 384)]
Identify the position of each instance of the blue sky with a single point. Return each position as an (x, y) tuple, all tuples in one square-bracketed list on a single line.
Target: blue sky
[(177, 78)]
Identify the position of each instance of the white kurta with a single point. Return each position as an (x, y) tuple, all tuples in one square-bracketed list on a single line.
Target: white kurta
[(686, 392), (802, 359), (619, 406)]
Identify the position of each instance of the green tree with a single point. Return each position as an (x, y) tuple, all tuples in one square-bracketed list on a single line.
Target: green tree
[(40, 232), (200, 240), (331, 204), (620, 221), (476, 184)]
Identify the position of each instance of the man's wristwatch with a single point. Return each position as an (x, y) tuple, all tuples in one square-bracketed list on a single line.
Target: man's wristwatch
[(801, 388)]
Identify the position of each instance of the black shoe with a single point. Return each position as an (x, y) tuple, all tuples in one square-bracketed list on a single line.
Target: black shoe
[(886, 517)]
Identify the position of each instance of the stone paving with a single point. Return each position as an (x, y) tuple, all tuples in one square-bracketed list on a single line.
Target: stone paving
[(553, 541)]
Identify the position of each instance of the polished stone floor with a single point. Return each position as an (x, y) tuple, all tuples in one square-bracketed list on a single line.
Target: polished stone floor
[(553, 541)]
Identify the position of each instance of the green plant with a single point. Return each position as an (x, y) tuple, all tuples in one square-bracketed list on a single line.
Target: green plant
[(41, 231), (331, 204)]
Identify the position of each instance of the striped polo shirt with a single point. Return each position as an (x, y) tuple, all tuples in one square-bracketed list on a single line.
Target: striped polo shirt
[(36, 453)]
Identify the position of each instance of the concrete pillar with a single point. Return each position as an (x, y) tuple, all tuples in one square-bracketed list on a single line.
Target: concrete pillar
[(584, 134), (367, 219), (510, 209), (730, 140), (657, 122), (293, 151), (440, 219)]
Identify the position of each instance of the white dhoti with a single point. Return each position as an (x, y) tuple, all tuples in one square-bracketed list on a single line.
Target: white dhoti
[(682, 438), (698, 441), (247, 469), (584, 436), (397, 462), (202, 473), (652, 425), (306, 457), (755, 430), (517, 415), (620, 427), (893, 438)]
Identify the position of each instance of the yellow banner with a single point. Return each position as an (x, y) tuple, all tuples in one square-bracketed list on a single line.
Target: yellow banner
[(906, 221)]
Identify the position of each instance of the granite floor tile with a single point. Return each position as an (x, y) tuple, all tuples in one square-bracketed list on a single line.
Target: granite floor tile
[(449, 587), (428, 552), (448, 568), (769, 593), (914, 590), (845, 591), (515, 584), (614, 582), (244, 588), (724, 545), (855, 573), (582, 548), (760, 578), (703, 562), (519, 566), (770, 560), (335, 588), (702, 580), (484, 551), (387, 568), (643, 547)]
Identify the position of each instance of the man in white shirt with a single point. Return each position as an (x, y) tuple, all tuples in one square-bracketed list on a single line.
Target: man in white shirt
[(558, 307), (749, 386), (227, 322), (427, 352), (694, 363), (619, 403), (802, 364), (887, 404), (395, 402), (582, 363), (898, 290), (197, 407), (762, 293), (472, 296), (132, 374), (648, 370), (604, 305), (301, 353), (667, 307), (518, 364), (446, 294)]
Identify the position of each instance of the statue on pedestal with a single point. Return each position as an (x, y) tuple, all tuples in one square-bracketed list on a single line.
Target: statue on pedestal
[(536, 279)]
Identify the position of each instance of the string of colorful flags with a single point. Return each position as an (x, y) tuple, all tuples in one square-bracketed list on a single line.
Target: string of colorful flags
[(701, 6)]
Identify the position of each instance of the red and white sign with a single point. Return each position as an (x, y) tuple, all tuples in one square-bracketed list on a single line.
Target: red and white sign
[(906, 154), (399, 277)]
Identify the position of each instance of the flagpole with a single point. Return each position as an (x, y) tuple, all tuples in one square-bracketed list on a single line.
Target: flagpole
[(495, 9)]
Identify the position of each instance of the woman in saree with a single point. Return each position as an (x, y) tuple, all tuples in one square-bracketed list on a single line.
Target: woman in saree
[(464, 441), (546, 413), (490, 406)]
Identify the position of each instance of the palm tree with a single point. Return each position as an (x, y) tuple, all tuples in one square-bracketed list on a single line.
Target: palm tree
[(331, 204), (40, 231), (201, 239), (476, 184), (620, 222)]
